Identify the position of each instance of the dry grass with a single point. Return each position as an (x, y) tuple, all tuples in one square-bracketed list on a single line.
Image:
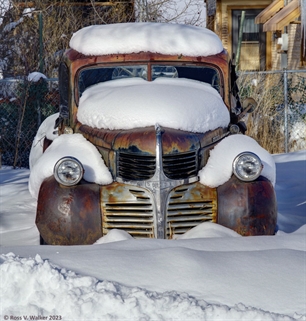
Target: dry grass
[(267, 124)]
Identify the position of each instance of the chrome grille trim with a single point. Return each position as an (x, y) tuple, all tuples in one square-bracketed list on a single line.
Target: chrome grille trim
[(159, 186)]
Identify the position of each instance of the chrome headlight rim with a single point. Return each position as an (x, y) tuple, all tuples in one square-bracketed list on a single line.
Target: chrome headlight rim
[(257, 169), (78, 166)]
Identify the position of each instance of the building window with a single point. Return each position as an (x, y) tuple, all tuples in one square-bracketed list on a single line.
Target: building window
[(249, 52)]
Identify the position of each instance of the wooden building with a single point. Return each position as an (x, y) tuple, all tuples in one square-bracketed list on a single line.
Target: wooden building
[(270, 37)]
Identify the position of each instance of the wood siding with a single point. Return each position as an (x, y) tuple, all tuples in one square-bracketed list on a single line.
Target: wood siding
[(221, 24)]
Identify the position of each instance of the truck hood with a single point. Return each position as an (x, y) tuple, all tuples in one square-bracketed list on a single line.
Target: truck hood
[(124, 104), (143, 140)]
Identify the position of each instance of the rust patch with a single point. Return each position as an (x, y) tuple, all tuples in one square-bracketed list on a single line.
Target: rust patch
[(69, 215), (249, 208)]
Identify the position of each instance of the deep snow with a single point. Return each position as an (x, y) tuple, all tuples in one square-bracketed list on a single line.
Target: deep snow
[(209, 274)]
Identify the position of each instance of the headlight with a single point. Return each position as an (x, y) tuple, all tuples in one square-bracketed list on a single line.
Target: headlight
[(247, 166), (68, 171)]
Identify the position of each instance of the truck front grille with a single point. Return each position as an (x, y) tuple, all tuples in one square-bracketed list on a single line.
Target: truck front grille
[(135, 167), (181, 165), (132, 209), (185, 210), (132, 212)]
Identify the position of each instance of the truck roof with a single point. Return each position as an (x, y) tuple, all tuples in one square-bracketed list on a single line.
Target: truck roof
[(161, 38)]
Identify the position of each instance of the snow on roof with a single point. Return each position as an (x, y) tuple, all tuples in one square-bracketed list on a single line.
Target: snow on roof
[(163, 38), (170, 102)]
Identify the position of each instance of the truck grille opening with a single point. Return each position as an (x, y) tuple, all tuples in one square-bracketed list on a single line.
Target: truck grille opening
[(132, 209), (132, 166), (133, 216), (139, 167), (181, 165), (185, 212)]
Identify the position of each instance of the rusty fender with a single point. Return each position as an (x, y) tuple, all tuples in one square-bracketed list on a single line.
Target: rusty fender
[(69, 215), (249, 208)]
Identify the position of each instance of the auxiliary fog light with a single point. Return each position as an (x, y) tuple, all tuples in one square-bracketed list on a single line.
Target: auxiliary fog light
[(247, 166), (68, 171)]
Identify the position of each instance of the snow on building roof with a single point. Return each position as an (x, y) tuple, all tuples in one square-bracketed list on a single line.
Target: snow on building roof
[(163, 38)]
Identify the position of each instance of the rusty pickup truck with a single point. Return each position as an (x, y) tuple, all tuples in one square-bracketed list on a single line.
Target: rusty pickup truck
[(135, 92)]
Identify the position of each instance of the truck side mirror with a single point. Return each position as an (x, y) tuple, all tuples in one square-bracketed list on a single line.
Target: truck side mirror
[(249, 105), (64, 96)]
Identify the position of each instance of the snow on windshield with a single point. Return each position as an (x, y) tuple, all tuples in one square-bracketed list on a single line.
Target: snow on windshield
[(163, 38), (130, 103)]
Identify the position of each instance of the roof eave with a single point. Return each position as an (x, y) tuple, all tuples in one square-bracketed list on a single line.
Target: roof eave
[(284, 17)]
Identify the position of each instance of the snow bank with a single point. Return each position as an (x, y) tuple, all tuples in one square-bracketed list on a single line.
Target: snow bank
[(164, 38), (74, 145), (205, 278), (33, 286), (218, 169), (130, 103)]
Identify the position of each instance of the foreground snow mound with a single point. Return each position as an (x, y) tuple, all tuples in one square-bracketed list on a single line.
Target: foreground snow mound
[(218, 169), (74, 145), (52, 290), (176, 103), (208, 230), (114, 235), (163, 38)]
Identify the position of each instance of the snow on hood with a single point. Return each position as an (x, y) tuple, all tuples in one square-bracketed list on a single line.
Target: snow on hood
[(130, 103), (163, 38), (74, 145), (218, 169)]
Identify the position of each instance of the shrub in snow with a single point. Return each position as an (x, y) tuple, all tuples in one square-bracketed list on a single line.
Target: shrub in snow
[(297, 138), (36, 76)]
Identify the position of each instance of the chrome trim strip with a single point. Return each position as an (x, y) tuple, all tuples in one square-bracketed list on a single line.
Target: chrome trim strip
[(160, 186)]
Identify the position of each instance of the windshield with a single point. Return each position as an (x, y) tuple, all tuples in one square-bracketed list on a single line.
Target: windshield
[(93, 75)]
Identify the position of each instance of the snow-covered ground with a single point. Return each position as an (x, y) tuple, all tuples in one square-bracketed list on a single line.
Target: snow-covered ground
[(209, 274)]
